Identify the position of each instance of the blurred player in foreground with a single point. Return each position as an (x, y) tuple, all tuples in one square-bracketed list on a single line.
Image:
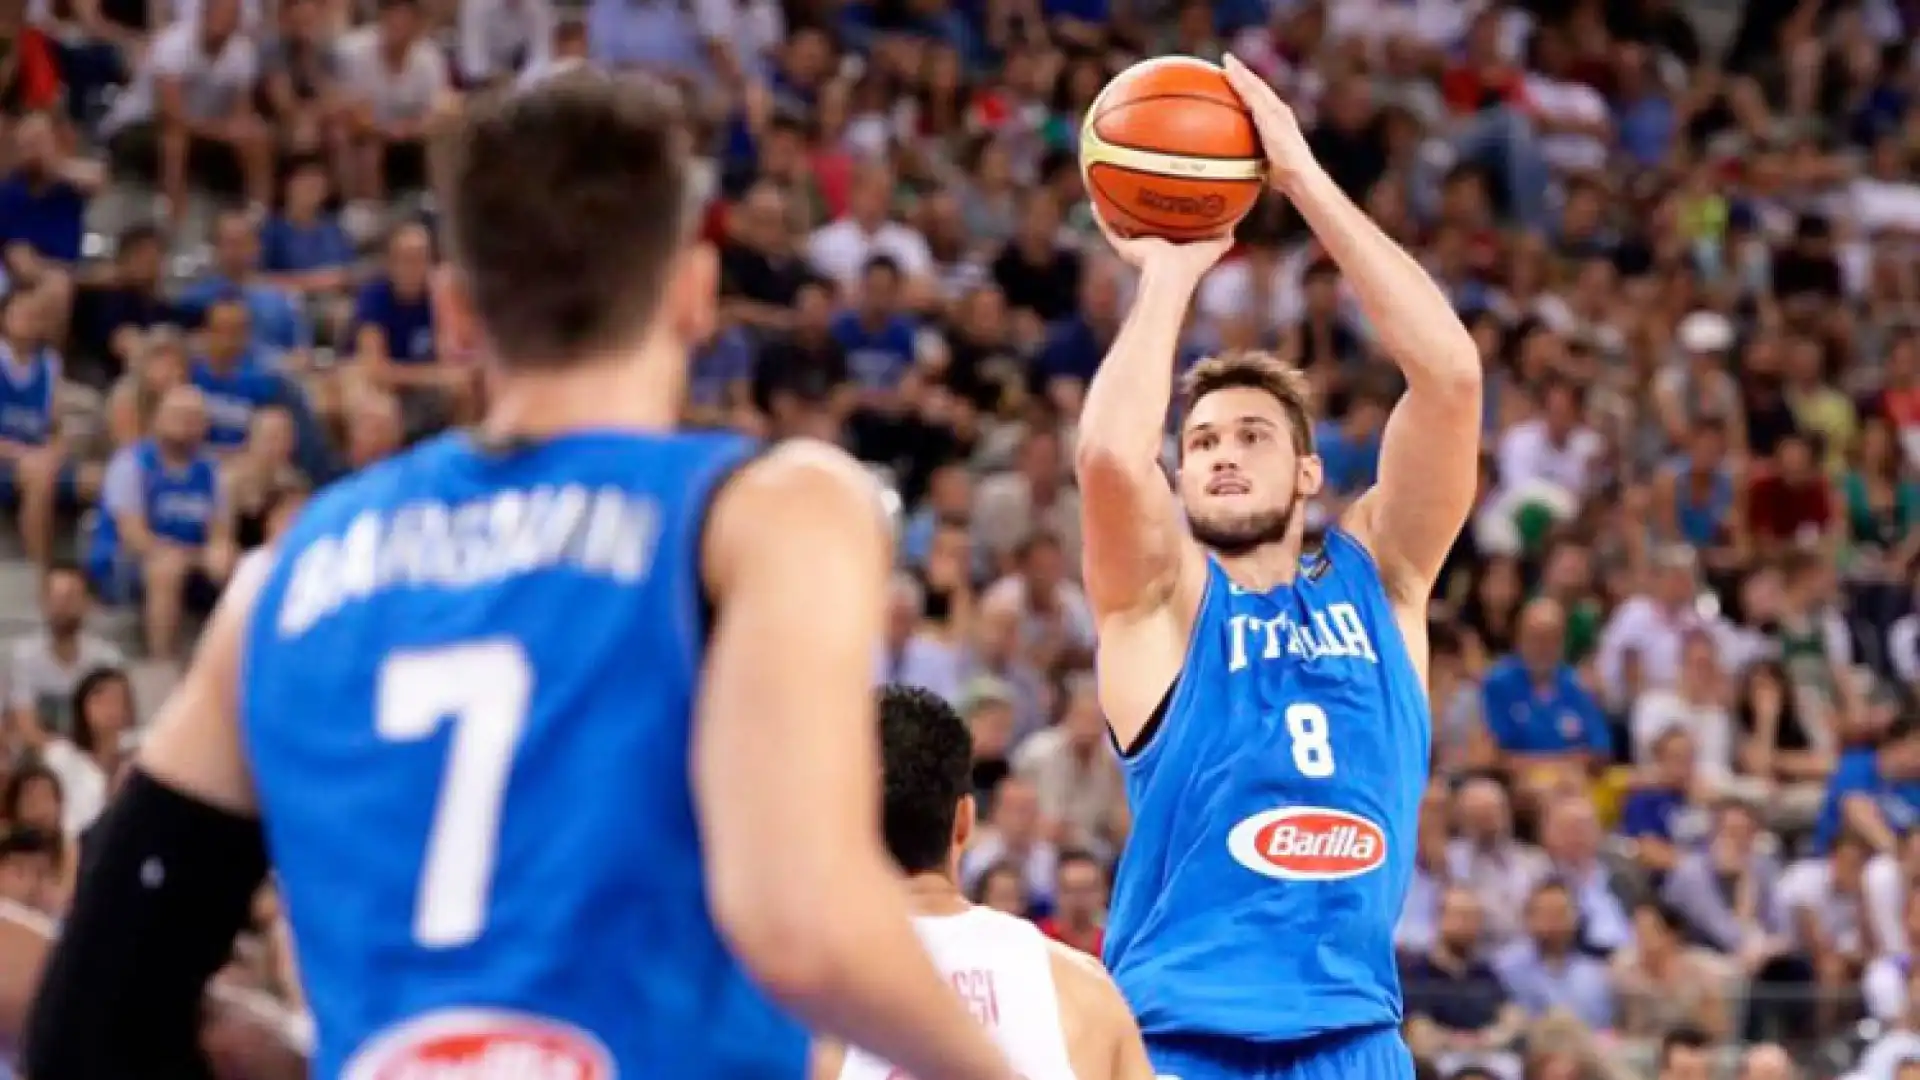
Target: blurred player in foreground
[(1269, 704), (1051, 1008), (529, 714)]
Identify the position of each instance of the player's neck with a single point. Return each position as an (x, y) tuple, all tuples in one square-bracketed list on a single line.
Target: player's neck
[(642, 395), (1265, 567), (935, 894)]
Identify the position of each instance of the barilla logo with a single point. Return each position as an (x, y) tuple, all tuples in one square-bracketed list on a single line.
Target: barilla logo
[(482, 1044), (1308, 843)]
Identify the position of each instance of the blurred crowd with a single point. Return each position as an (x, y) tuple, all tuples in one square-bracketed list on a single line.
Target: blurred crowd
[(1674, 823)]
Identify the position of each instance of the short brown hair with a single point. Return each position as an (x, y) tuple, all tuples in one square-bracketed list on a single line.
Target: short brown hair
[(565, 204), (1261, 371)]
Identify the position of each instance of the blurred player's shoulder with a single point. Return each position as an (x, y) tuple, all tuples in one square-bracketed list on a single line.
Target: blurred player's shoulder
[(794, 478), (1100, 1026)]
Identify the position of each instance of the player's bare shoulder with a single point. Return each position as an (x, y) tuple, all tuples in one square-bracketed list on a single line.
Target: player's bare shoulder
[(1103, 1038), (793, 482)]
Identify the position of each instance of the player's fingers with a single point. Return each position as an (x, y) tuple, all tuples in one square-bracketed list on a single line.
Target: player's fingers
[(1253, 90), (1262, 103)]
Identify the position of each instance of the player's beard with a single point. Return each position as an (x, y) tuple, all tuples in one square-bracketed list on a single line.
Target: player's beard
[(1238, 534)]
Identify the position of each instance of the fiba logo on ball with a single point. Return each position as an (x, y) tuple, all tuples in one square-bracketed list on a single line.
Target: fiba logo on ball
[(1200, 206)]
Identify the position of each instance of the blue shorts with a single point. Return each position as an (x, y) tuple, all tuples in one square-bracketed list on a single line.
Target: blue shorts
[(1369, 1054)]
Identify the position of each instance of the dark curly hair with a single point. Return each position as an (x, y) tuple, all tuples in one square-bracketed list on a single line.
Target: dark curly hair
[(926, 757)]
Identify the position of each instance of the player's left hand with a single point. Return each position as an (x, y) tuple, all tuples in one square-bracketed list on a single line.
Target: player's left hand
[(1288, 156)]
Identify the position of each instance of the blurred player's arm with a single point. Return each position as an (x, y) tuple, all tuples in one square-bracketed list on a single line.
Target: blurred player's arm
[(797, 556), (1109, 1046), (1144, 574), (168, 882)]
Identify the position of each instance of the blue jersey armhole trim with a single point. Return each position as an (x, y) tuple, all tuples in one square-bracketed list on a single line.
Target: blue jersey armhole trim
[(712, 480), (1153, 735)]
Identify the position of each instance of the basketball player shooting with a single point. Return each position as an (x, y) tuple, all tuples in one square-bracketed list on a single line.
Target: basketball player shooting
[(1269, 706), (527, 714), (1051, 1008)]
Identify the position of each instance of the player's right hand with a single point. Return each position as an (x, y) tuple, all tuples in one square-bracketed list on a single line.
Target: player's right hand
[(1184, 262)]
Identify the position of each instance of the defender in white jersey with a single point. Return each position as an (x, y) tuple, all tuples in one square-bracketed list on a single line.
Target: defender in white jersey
[(1050, 1008)]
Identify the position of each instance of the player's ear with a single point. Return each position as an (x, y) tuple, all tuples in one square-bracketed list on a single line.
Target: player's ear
[(965, 817), (689, 307), (455, 326), (1309, 476)]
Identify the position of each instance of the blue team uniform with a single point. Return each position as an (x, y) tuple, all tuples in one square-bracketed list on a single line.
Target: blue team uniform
[(232, 397), (467, 700), (29, 410), (1274, 816), (179, 503)]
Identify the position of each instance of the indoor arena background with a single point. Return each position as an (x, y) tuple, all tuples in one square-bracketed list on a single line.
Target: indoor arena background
[(1686, 238)]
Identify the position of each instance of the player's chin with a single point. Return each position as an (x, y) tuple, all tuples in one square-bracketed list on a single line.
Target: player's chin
[(1237, 525)]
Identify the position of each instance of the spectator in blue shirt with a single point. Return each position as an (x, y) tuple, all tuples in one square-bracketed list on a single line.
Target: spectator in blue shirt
[(230, 375), (163, 534), (35, 474), (1076, 344), (1655, 812), (393, 337), (43, 202), (1349, 447), (303, 246), (1546, 971), (1541, 718), (878, 336), (278, 323), (1875, 791)]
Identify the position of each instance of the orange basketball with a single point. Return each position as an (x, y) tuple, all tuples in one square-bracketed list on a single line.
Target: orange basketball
[(1168, 150)]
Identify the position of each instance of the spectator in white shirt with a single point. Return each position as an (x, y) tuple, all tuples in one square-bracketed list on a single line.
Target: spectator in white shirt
[(1696, 704), (1640, 646), (1556, 446), (1896, 1054), (499, 38), (189, 113), (1083, 800), (1885, 984), (87, 763), (394, 77), (46, 666), (842, 249)]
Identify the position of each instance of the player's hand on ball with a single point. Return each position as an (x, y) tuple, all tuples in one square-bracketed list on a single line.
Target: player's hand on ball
[(1185, 261), (1288, 156)]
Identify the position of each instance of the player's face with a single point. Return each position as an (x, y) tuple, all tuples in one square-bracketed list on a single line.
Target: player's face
[(1241, 479)]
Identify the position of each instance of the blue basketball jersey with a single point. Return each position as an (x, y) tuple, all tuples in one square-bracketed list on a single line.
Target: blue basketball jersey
[(467, 703), (1274, 814), (27, 389), (231, 400)]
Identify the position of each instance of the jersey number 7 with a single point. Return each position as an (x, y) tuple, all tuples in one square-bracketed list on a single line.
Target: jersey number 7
[(482, 688)]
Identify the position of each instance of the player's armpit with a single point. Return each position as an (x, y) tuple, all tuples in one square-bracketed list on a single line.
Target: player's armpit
[(1429, 472)]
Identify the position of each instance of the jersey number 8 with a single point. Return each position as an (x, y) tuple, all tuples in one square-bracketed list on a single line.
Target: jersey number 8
[(1307, 730), (483, 688)]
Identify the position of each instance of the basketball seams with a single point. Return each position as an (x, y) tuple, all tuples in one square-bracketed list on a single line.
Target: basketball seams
[(1170, 230), (1210, 192), (1093, 121)]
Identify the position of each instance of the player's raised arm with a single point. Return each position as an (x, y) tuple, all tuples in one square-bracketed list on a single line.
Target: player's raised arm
[(1141, 568), (786, 772), (168, 882), (1430, 451)]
